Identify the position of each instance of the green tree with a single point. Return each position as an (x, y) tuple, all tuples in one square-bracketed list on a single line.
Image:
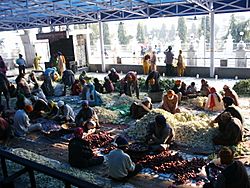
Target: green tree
[(122, 37), (182, 29), (140, 33), (163, 33), (171, 33), (106, 35), (94, 35), (236, 27), (205, 28)]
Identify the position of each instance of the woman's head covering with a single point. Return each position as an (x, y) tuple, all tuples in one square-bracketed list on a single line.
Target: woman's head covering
[(113, 70), (212, 90), (78, 132), (28, 108), (146, 99), (225, 87), (60, 104), (178, 82)]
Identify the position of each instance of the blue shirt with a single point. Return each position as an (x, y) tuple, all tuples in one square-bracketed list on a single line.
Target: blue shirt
[(20, 61)]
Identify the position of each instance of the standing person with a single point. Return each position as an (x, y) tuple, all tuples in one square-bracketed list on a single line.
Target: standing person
[(169, 61), (234, 175), (80, 152), (61, 63), (120, 164), (180, 64), (145, 64), (170, 102), (160, 134), (153, 61), (129, 84), (4, 88), (21, 64), (3, 68), (36, 62)]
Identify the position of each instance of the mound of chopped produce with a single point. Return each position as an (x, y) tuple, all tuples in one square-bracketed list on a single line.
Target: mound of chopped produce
[(166, 162), (190, 130), (242, 87), (107, 116), (124, 100), (82, 174), (99, 140), (198, 102)]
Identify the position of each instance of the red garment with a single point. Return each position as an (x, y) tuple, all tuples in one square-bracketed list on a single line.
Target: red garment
[(3, 124)]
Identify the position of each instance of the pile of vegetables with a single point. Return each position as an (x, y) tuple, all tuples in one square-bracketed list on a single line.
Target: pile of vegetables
[(99, 140), (242, 87), (107, 116), (166, 162), (190, 130)]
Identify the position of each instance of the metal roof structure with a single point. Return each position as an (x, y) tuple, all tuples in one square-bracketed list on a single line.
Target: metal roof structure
[(26, 14)]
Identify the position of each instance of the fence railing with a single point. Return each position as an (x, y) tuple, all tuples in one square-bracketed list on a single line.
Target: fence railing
[(31, 166)]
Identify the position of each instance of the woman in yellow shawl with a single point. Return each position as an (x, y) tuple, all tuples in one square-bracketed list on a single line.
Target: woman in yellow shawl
[(180, 64), (145, 64), (61, 63)]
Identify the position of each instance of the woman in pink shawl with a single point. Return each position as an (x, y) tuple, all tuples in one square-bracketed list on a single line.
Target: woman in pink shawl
[(214, 102)]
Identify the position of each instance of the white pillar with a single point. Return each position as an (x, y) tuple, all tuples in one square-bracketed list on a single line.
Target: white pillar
[(88, 46), (101, 41), (212, 37)]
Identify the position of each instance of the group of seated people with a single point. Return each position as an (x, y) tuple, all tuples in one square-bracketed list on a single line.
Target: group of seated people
[(160, 133)]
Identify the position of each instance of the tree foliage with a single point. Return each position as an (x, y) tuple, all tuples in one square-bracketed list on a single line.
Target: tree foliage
[(171, 33), (140, 33), (122, 36), (205, 28), (182, 29), (163, 33), (236, 27), (106, 34), (94, 35)]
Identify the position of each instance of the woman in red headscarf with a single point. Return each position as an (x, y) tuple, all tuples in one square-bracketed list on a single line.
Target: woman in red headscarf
[(214, 102)]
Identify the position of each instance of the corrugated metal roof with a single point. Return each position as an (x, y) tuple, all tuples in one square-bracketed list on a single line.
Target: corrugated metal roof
[(24, 14)]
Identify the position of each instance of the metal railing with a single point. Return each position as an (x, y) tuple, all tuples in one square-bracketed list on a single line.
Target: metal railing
[(31, 166)]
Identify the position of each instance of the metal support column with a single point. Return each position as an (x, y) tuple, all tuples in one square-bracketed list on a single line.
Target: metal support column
[(101, 41), (212, 37)]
